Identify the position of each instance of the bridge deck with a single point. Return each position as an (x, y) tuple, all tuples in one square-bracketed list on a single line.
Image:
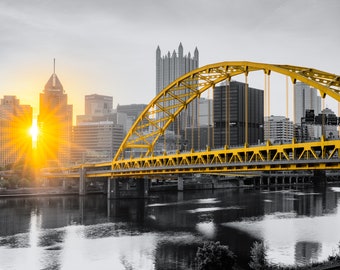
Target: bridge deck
[(317, 155)]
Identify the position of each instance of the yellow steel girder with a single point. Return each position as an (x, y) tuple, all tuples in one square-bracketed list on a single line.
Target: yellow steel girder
[(179, 94), (317, 155)]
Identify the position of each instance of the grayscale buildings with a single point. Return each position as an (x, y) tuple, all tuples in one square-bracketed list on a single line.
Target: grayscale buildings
[(131, 110), (128, 114), (169, 67), (98, 105), (99, 133), (229, 123), (205, 112), (97, 108), (306, 98), (96, 141), (278, 129), (330, 131)]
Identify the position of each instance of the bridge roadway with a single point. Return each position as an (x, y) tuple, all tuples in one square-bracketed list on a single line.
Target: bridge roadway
[(307, 156)]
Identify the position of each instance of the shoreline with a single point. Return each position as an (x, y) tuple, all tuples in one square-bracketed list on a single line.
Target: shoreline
[(36, 192)]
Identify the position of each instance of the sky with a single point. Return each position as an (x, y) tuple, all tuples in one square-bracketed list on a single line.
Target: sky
[(108, 47)]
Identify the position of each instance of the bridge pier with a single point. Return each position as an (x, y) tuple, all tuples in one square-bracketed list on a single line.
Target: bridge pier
[(112, 188), (214, 182), (82, 181), (64, 184), (142, 187), (121, 188), (319, 178), (180, 183)]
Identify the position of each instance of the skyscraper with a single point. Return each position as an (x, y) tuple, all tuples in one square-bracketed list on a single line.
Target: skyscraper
[(98, 105), (97, 135), (306, 98), (96, 141), (278, 129), (55, 124), (170, 67), (229, 124), (15, 122)]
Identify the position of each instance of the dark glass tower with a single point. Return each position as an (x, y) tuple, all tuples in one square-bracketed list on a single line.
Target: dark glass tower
[(229, 123)]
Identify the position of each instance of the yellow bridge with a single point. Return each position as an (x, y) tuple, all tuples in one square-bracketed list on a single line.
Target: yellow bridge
[(321, 155), (136, 156)]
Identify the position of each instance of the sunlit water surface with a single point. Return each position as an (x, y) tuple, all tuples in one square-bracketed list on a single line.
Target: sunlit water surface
[(163, 232)]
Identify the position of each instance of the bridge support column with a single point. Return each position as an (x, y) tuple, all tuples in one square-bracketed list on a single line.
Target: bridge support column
[(319, 178), (81, 209), (214, 183), (142, 187), (125, 184), (82, 181), (64, 185), (112, 188), (180, 183)]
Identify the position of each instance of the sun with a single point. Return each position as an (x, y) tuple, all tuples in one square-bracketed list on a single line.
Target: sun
[(34, 131)]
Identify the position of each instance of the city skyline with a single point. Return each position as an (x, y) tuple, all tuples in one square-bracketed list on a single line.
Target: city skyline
[(100, 49)]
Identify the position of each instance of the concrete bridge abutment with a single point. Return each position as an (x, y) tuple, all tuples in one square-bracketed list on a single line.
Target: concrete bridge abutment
[(119, 188)]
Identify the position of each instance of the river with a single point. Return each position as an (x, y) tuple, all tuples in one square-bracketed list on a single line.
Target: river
[(298, 226)]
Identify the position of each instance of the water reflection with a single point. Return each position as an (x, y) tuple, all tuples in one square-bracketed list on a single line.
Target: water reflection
[(34, 252), (208, 229), (293, 238), (164, 231)]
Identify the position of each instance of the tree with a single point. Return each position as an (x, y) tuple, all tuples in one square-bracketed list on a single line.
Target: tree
[(335, 257), (214, 256), (258, 256)]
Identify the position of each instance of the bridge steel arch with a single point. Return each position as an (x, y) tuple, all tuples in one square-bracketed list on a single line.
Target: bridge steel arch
[(179, 94)]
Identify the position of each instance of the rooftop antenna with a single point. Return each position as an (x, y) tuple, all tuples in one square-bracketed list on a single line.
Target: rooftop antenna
[(54, 80)]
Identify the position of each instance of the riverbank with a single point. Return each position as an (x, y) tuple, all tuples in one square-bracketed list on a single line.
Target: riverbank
[(36, 191)]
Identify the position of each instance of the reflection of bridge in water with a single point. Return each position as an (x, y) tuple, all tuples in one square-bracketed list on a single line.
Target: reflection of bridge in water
[(137, 158)]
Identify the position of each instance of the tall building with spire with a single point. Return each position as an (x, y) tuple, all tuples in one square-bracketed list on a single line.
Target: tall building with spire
[(170, 67), (55, 124)]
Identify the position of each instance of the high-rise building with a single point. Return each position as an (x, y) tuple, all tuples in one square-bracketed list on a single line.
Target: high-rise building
[(97, 108), (170, 67), (98, 105), (99, 133), (229, 123), (278, 129), (131, 110), (55, 124), (96, 141), (330, 126), (306, 98), (205, 112), (15, 122)]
